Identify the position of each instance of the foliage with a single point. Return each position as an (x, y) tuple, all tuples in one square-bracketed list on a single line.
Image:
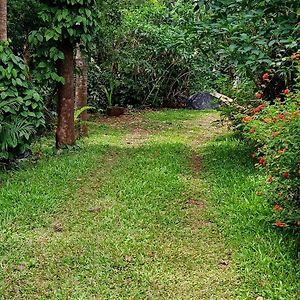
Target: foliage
[(20, 107), (62, 21), (249, 38), (108, 91), (252, 46), (275, 129), (21, 22), (152, 55)]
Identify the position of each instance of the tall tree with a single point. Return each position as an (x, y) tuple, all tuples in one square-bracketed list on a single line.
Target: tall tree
[(65, 133), (66, 23), (3, 20)]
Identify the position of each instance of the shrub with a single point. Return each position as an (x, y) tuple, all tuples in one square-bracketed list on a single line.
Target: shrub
[(152, 56), (20, 105), (275, 130)]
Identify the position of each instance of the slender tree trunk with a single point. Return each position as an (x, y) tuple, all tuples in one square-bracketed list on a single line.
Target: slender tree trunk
[(3, 20), (81, 89), (65, 134)]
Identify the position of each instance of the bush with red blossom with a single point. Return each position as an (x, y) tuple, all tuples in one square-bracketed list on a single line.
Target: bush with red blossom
[(275, 129)]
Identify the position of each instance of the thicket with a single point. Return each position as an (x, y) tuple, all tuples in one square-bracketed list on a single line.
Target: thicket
[(20, 107)]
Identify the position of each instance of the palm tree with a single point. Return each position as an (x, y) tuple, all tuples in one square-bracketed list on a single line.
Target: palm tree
[(3, 20)]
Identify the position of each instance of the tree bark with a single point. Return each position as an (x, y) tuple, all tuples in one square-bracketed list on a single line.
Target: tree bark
[(3, 20), (81, 89), (65, 134)]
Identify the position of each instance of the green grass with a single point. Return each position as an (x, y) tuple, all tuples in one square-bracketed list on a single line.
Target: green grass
[(268, 258), (166, 225)]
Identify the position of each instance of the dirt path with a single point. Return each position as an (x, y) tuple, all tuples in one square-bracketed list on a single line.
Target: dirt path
[(138, 225)]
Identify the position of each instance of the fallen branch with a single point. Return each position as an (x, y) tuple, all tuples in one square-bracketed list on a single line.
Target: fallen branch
[(222, 97)]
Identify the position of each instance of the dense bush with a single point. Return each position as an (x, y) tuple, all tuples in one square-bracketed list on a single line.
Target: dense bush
[(252, 45), (275, 130), (20, 106), (152, 56)]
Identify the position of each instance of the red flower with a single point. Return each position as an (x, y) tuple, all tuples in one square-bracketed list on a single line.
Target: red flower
[(258, 108), (280, 116), (278, 207), (298, 223), (266, 76), (262, 161), (286, 91), (252, 130), (286, 174), (280, 224), (258, 95)]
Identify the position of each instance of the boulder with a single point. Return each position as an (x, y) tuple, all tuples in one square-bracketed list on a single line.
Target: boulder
[(201, 101)]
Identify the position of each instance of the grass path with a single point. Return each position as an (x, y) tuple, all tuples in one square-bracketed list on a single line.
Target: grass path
[(141, 212)]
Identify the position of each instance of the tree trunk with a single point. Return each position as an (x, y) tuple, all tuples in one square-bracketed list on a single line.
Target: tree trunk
[(65, 134), (3, 20), (81, 89)]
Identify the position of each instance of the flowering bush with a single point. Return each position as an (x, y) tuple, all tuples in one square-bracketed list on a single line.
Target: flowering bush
[(275, 129)]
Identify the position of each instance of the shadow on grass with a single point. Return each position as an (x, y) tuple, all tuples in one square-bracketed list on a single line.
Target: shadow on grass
[(145, 181), (26, 195), (267, 257)]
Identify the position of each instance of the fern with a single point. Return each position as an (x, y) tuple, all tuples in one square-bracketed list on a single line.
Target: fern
[(7, 103), (78, 112), (12, 133)]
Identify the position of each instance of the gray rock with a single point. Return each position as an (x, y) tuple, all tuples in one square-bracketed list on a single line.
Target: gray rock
[(201, 101)]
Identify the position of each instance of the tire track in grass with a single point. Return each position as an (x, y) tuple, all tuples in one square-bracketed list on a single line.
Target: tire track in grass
[(137, 228)]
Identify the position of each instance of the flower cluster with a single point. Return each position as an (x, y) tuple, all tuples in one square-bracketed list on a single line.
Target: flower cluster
[(275, 129)]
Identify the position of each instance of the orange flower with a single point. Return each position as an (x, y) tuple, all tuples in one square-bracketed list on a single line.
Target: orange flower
[(258, 108), (298, 223), (270, 179), (293, 57), (267, 120), (258, 95), (278, 207), (246, 119), (252, 130), (282, 151), (280, 224), (280, 116), (298, 171), (274, 134), (296, 113)]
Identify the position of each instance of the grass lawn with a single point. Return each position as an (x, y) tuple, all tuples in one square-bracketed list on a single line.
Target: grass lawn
[(157, 205)]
